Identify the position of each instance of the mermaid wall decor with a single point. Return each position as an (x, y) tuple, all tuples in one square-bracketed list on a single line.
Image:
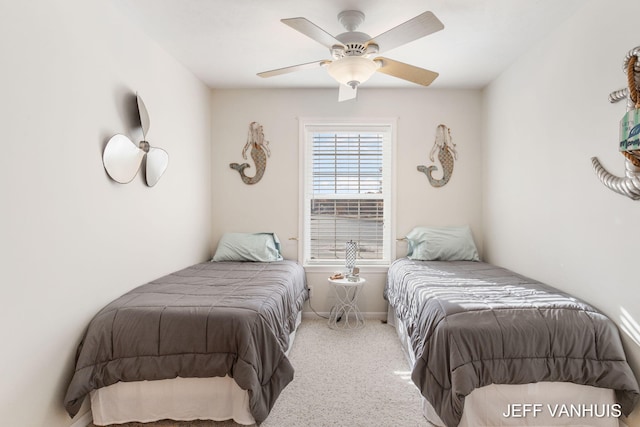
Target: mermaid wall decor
[(259, 153), (447, 153)]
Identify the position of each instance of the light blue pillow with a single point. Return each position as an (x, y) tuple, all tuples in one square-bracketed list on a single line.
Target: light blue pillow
[(260, 247), (442, 244)]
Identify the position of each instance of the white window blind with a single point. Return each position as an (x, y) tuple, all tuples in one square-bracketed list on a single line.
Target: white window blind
[(347, 193)]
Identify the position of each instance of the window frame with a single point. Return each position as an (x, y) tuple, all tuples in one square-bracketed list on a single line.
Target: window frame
[(306, 127)]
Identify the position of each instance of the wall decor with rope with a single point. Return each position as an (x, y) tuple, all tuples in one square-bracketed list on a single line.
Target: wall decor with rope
[(629, 141)]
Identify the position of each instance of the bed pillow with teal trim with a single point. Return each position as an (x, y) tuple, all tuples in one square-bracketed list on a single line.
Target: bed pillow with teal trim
[(260, 247), (442, 244)]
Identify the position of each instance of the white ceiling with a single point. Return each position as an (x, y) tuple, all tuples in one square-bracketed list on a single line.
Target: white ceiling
[(226, 42)]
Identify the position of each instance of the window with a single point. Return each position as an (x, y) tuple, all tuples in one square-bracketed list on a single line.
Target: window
[(347, 192)]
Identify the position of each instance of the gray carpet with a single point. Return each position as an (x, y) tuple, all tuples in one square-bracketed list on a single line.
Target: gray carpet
[(343, 378)]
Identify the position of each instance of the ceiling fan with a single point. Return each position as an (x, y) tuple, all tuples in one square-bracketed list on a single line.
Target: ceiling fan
[(353, 51)]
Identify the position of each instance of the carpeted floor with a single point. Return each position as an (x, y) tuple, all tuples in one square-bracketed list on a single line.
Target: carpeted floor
[(343, 378)]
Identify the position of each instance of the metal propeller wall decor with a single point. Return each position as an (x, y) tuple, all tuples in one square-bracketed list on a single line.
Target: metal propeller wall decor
[(629, 141), (122, 158)]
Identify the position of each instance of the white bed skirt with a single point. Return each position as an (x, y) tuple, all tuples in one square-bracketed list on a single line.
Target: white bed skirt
[(180, 399), (487, 405)]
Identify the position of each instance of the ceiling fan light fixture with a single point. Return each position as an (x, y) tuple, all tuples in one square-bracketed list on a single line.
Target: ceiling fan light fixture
[(352, 70)]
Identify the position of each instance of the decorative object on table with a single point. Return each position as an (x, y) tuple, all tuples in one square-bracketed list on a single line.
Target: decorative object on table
[(350, 255), (259, 153), (352, 63), (446, 150), (629, 144), (122, 158)]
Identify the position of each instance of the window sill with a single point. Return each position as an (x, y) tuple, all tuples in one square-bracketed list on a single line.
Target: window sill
[(364, 269)]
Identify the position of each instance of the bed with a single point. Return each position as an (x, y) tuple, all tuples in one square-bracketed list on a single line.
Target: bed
[(205, 342), (486, 344)]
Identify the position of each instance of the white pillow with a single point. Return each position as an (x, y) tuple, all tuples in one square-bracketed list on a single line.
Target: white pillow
[(261, 247), (442, 244)]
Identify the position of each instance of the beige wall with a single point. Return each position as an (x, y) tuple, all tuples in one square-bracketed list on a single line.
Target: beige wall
[(72, 239), (546, 215), (273, 203)]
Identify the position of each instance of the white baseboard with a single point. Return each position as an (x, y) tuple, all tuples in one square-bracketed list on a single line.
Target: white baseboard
[(83, 421), (367, 315), (375, 315)]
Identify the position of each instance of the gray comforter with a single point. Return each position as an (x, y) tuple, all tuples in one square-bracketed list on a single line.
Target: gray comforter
[(208, 320), (472, 324)]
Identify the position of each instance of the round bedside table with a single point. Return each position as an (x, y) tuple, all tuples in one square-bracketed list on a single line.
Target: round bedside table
[(346, 314)]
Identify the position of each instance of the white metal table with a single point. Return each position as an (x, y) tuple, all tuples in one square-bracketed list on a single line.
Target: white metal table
[(346, 314)]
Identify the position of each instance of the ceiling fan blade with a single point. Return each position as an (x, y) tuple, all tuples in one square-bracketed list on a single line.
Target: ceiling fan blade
[(293, 68), (415, 28), (406, 72), (311, 30), (347, 92)]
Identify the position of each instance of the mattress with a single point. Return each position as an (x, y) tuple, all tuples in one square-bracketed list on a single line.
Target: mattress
[(471, 324)]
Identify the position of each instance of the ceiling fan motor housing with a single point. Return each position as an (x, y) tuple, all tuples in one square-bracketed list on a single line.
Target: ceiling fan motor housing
[(355, 44)]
